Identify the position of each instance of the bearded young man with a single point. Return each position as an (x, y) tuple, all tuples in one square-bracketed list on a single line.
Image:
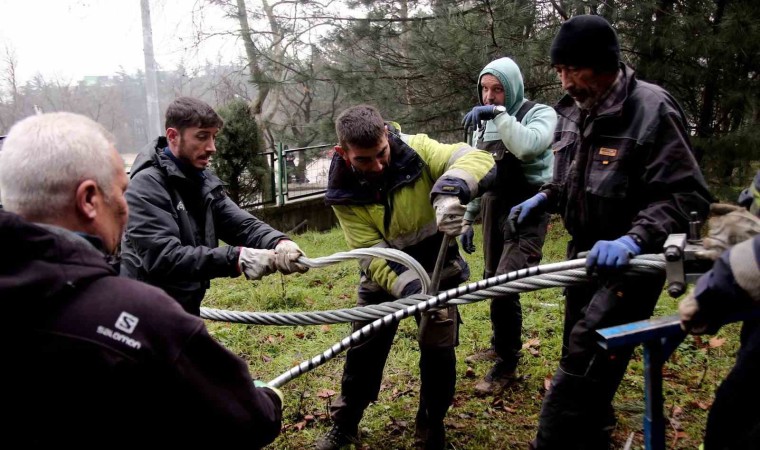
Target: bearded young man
[(179, 211)]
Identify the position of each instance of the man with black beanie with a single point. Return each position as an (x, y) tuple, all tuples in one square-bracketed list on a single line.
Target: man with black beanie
[(624, 178)]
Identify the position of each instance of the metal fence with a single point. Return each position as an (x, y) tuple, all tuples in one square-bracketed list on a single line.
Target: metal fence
[(294, 173)]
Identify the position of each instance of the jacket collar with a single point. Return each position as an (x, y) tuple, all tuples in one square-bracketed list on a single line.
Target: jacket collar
[(153, 155), (345, 187)]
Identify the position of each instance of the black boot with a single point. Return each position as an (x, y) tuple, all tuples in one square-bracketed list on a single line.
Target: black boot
[(337, 438)]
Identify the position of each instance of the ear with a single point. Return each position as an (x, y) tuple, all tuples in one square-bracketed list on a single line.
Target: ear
[(172, 135), (341, 152), (87, 199)]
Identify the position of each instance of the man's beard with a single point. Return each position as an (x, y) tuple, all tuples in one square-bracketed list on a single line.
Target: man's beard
[(372, 180)]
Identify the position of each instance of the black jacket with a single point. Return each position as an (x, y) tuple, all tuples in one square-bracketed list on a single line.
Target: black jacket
[(626, 169), (175, 223), (90, 358)]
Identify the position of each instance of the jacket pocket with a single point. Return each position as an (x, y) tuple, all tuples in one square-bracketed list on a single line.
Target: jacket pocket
[(608, 175), (563, 156)]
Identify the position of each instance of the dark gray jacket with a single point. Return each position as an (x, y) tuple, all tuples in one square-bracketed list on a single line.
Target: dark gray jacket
[(628, 168), (175, 223)]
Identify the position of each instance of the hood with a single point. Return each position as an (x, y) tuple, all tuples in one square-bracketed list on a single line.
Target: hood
[(148, 156), (510, 77), (39, 262)]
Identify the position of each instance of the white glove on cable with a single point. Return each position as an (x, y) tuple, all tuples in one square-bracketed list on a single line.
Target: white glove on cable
[(286, 260), (449, 214), (255, 263)]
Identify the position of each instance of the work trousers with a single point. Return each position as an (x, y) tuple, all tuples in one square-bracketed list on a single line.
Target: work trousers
[(577, 411), (734, 419), (363, 369), (504, 253)]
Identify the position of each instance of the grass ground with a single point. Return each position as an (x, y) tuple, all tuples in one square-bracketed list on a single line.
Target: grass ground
[(505, 422)]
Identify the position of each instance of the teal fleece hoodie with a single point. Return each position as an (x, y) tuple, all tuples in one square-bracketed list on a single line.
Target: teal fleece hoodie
[(530, 139)]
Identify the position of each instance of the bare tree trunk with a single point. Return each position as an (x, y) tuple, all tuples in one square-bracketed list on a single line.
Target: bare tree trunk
[(151, 83)]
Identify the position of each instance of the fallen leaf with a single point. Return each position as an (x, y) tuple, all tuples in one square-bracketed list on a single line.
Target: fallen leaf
[(717, 342), (509, 410), (265, 358), (702, 405), (677, 411), (325, 328), (299, 335), (300, 425), (458, 426), (325, 393), (308, 418), (548, 383), (469, 373), (530, 343)]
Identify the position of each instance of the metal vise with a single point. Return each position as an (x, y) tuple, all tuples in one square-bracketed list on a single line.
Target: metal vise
[(682, 266)]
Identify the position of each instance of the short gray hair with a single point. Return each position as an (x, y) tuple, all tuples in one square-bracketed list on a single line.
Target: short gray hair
[(45, 157)]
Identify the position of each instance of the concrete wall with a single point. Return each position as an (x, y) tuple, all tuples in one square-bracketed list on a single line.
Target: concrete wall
[(309, 214)]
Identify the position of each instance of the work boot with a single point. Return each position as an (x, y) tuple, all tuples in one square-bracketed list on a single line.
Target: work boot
[(495, 381), (337, 438), (429, 437), (488, 354)]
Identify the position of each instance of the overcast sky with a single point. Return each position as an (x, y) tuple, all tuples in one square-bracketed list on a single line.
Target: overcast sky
[(68, 39)]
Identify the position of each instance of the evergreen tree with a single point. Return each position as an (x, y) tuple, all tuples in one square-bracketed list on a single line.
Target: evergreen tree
[(238, 160)]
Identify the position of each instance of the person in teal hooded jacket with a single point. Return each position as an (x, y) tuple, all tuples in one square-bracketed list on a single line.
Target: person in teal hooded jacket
[(518, 133)]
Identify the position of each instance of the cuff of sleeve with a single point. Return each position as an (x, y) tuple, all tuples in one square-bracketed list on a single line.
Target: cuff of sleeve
[(503, 119), (414, 287), (451, 186), (641, 238), (235, 253)]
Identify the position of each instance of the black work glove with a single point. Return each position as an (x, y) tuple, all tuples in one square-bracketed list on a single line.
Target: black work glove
[(468, 240)]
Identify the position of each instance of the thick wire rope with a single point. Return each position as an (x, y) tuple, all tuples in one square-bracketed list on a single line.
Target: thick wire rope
[(572, 274), (540, 277)]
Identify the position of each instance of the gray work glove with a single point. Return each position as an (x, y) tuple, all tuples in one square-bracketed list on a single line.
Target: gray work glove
[(693, 319), (729, 225), (449, 214), (256, 263), (286, 260)]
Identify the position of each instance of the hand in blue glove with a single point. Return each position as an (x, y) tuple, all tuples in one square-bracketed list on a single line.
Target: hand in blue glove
[(467, 239), (478, 113), (519, 213), (612, 254)]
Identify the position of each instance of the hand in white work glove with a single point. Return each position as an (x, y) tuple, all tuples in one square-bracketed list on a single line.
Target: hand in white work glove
[(449, 214), (729, 225), (255, 263), (286, 260)]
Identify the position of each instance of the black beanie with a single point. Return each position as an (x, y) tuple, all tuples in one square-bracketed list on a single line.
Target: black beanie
[(586, 41)]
